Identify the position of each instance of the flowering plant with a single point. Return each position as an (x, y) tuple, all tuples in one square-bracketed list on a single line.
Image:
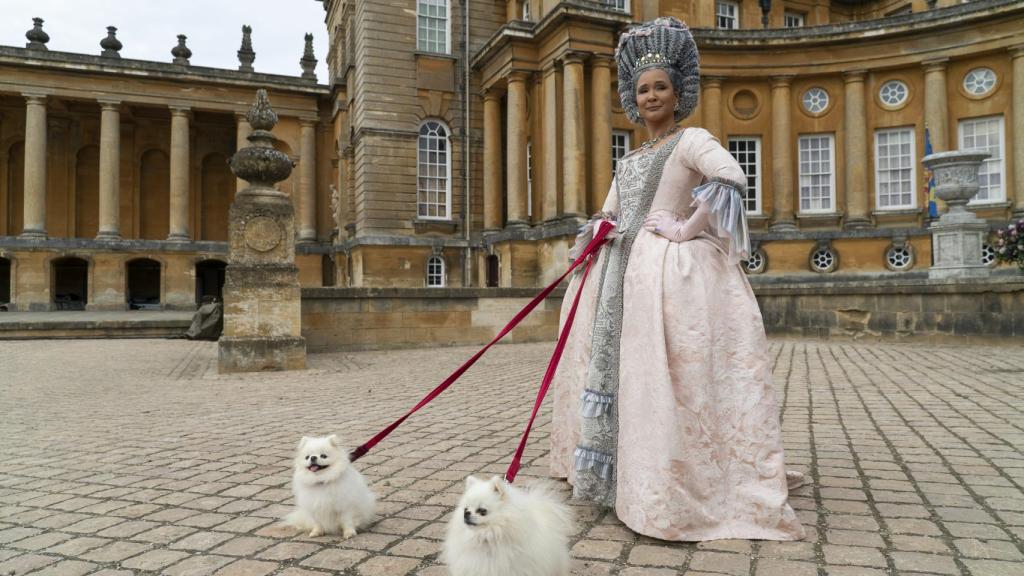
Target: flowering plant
[(1009, 243)]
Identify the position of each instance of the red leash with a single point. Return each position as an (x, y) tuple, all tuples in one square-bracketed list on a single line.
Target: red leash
[(513, 468), (595, 245)]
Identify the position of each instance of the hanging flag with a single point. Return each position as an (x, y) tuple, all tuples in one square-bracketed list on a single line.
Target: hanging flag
[(933, 210)]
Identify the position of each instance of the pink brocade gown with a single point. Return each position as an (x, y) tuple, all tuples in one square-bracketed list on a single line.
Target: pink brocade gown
[(699, 445)]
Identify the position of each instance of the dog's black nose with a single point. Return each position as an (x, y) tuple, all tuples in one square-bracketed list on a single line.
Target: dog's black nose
[(313, 459)]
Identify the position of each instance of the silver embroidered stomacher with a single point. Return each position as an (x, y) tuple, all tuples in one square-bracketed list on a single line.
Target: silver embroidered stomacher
[(594, 459), (728, 215)]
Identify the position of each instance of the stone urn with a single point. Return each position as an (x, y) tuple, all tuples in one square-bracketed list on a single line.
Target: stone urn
[(956, 179), (958, 235)]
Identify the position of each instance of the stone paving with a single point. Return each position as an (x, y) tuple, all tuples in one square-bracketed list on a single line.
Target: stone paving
[(121, 457)]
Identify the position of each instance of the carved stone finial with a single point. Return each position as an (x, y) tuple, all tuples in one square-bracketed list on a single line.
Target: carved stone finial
[(181, 52), (111, 45), (37, 39), (246, 56), (260, 164), (308, 61)]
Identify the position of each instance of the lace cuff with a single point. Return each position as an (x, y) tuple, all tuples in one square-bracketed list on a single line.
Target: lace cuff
[(587, 459), (728, 217)]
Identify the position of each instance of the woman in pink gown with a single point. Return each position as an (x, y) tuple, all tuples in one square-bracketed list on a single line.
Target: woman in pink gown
[(664, 405)]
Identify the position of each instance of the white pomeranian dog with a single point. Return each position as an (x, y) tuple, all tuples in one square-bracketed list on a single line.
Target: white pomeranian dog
[(501, 530), (331, 496)]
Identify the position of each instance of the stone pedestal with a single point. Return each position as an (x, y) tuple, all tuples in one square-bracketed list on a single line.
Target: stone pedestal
[(262, 297), (958, 235)]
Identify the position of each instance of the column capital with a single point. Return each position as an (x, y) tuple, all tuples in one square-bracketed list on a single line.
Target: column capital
[(307, 121), (180, 110), (109, 104), (518, 76), (784, 81), (1016, 51), (935, 65), (711, 81), (551, 67), (491, 95), (241, 116), (601, 61), (574, 57), (854, 76), (37, 98)]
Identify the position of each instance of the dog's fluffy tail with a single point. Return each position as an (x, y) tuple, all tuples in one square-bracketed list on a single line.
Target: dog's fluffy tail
[(300, 520), (557, 510)]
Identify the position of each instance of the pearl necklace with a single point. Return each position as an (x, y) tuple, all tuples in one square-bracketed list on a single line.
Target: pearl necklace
[(657, 139)]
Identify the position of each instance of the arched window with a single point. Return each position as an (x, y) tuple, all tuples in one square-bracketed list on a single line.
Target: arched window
[(143, 283), (70, 283), (210, 280), (435, 272), (433, 170)]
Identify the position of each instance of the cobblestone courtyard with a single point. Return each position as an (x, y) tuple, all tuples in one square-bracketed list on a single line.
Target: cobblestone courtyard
[(120, 457)]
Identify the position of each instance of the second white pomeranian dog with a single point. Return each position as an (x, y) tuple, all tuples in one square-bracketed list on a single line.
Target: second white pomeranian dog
[(500, 530), (331, 496)]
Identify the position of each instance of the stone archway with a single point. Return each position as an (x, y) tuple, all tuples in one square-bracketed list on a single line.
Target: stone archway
[(70, 277), (5, 281), (143, 284), (210, 280)]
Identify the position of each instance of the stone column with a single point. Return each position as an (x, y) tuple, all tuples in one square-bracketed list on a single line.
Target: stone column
[(492, 160), (35, 167), (936, 110), (110, 170), (179, 212), (856, 151), (307, 181), (516, 152), (512, 11), (574, 164), (712, 105), (782, 161), (1017, 130), (549, 184), (242, 129), (601, 130)]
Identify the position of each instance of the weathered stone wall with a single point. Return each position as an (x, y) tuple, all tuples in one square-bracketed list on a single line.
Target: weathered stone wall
[(913, 306)]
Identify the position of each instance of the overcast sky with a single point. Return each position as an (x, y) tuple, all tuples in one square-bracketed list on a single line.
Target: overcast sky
[(148, 29)]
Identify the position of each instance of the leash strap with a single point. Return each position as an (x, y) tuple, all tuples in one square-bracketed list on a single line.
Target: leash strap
[(592, 248)]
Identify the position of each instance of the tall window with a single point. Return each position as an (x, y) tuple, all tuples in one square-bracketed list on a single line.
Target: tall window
[(986, 134), (793, 20), (435, 272), (526, 10), (433, 169), (894, 168), (817, 173), (747, 152), (432, 26), (620, 147), (727, 14)]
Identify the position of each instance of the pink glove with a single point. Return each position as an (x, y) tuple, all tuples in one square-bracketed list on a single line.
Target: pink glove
[(664, 224)]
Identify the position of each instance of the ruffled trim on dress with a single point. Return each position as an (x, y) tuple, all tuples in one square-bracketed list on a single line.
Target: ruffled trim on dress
[(601, 463), (594, 403), (728, 216)]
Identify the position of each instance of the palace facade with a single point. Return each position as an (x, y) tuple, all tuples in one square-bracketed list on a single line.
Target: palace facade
[(446, 151)]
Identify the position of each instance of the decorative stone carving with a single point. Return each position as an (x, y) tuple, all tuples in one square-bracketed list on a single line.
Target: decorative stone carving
[(262, 234), (308, 61), (958, 236), (246, 56), (181, 52), (111, 45), (37, 39), (262, 297)]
